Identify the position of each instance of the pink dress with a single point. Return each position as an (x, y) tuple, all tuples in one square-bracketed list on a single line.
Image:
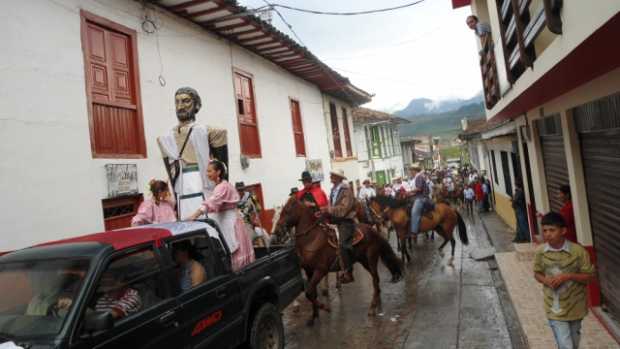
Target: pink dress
[(151, 213), (221, 206)]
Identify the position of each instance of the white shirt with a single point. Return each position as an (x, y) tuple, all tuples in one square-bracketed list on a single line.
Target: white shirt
[(449, 183), (469, 194), (367, 193), (430, 186), (411, 183)]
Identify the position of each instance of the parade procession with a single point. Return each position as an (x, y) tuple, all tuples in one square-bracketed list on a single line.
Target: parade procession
[(273, 174)]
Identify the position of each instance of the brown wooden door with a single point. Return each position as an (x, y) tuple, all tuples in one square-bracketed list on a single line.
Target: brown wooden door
[(335, 130), (298, 129), (347, 132), (112, 86), (265, 216), (246, 113)]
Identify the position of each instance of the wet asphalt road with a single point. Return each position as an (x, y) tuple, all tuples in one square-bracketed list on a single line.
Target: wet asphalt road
[(435, 306)]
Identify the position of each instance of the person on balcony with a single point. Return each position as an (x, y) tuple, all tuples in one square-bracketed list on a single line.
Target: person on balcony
[(482, 30)]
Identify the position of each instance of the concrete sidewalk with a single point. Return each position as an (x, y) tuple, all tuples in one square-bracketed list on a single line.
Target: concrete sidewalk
[(515, 265)]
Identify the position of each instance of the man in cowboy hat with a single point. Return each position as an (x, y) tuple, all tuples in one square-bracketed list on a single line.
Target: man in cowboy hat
[(419, 193), (311, 192), (341, 212)]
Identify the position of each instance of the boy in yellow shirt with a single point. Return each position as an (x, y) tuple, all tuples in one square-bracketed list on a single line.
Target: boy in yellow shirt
[(564, 268)]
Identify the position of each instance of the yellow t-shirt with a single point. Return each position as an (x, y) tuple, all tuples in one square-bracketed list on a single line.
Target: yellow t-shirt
[(567, 302)]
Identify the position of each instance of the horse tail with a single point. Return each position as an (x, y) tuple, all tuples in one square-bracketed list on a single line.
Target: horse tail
[(389, 259), (462, 229)]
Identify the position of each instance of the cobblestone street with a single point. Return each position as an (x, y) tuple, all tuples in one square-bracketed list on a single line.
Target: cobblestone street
[(436, 306)]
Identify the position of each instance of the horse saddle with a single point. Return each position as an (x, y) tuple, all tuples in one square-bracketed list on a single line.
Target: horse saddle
[(427, 209), (333, 234)]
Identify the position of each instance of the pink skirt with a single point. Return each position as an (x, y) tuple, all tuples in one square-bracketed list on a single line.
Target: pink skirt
[(245, 253)]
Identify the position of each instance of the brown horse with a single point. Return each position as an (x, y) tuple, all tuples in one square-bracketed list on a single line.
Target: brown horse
[(443, 219), (319, 255)]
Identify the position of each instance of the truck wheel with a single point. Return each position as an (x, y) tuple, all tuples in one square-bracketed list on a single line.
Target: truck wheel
[(267, 331)]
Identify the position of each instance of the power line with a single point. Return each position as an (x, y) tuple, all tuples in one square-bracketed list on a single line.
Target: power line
[(355, 13), (290, 27), (329, 75)]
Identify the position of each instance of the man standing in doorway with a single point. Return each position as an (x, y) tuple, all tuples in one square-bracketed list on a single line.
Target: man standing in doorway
[(341, 212), (567, 213), (519, 205)]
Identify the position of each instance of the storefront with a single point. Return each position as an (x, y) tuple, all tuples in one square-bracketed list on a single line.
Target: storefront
[(598, 126)]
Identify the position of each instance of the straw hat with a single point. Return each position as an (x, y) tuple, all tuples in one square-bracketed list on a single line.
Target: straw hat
[(338, 173)]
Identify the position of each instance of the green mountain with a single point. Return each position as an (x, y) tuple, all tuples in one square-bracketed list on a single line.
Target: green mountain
[(446, 125)]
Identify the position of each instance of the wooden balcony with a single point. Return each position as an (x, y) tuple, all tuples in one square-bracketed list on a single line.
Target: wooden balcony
[(522, 21), (488, 68)]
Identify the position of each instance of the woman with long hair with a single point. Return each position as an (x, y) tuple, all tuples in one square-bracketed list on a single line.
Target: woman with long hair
[(221, 206), (159, 208)]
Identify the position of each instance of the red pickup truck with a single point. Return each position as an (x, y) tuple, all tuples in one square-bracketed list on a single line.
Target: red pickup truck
[(123, 289)]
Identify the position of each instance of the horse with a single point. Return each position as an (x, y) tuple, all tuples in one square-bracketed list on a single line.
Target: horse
[(319, 252), (443, 219)]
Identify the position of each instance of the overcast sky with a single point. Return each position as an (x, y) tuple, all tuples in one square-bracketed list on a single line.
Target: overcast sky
[(422, 51)]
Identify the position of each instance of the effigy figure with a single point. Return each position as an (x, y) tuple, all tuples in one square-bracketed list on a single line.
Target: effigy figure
[(187, 150)]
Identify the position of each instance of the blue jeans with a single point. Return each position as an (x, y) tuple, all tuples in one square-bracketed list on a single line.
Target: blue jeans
[(416, 215), (567, 333)]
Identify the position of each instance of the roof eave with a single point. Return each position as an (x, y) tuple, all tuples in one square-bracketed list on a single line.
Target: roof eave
[(295, 59)]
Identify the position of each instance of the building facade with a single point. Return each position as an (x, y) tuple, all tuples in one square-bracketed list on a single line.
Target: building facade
[(344, 150), (92, 87), (378, 143), (553, 69)]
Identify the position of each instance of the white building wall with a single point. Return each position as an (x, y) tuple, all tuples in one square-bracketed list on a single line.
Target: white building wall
[(498, 145), (366, 164), (346, 163), (52, 185)]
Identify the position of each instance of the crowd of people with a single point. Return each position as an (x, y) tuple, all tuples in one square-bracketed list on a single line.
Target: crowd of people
[(464, 187), (237, 209)]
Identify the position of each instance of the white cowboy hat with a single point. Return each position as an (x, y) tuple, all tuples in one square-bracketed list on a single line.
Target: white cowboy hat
[(339, 173)]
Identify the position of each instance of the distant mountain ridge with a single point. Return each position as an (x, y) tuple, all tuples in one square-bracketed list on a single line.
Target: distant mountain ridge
[(426, 106), (439, 118)]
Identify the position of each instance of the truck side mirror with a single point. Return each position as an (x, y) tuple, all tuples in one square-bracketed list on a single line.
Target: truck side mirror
[(98, 321)]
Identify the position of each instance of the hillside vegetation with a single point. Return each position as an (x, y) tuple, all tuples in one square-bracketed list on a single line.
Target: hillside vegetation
[(446, 125)]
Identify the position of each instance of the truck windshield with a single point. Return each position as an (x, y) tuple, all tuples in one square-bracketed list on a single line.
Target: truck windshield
[(37, 295)]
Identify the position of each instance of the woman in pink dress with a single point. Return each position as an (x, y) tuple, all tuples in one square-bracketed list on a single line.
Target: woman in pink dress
[(221, 206), (159, 208)]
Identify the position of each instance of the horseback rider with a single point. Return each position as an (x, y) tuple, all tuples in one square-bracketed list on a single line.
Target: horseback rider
[(341, 212), (419, 193), (311, 193)]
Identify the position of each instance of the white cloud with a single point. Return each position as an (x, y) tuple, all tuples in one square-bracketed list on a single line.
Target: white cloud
[(422, 51)]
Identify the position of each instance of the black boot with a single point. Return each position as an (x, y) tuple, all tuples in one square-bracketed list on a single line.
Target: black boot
[(347, 260)]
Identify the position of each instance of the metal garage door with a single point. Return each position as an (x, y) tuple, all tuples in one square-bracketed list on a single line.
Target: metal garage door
[(554, 158), (598, 125)]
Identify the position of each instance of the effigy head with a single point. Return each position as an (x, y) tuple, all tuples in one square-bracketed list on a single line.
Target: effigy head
[(187, 103)]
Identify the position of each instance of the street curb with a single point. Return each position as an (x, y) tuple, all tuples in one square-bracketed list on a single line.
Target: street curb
[(515, 330)]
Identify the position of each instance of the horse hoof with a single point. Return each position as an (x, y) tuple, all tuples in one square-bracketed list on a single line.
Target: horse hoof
[(372, 313), (310, 323)]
